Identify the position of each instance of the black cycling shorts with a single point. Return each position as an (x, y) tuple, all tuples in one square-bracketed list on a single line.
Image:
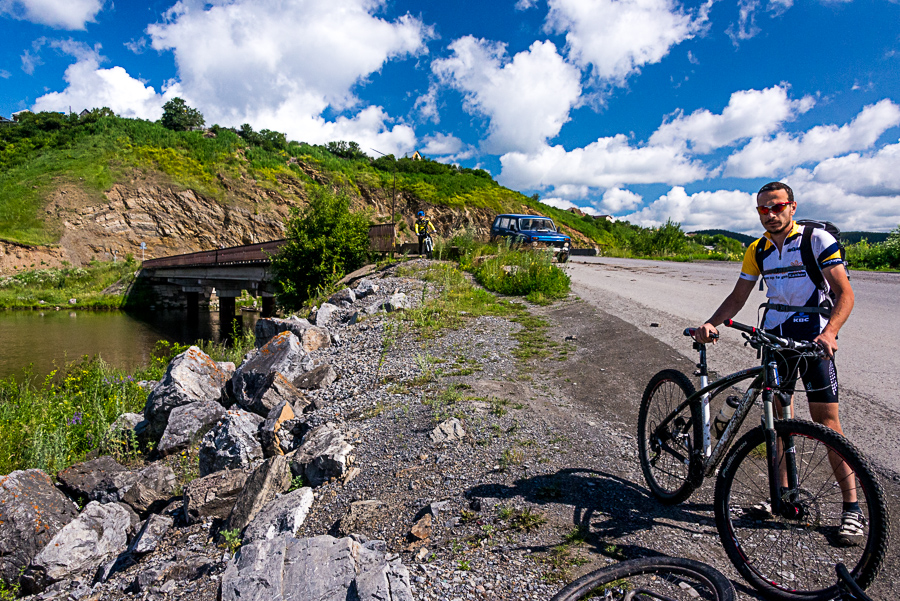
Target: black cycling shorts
[(819, 376)]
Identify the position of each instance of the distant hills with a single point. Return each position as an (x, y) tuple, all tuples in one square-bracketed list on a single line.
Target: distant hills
[(846, 237)]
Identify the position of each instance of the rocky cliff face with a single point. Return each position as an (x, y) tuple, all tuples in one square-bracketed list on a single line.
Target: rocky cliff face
[(170, 221)]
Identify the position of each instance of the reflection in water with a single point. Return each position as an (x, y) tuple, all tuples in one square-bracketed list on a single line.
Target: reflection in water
[(50, 339)]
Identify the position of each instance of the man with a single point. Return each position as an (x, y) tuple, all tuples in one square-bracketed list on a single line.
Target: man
[(422, 227), (804, 315)]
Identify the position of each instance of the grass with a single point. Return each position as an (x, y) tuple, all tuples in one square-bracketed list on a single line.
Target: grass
[(44, 287), (55, 422), (531, 274)]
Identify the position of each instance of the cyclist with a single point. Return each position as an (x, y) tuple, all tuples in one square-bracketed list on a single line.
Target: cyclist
[(422, 227), (800, 310)]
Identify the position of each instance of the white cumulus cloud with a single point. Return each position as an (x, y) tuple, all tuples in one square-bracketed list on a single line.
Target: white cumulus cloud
[(616, 200), (59, 14), (770, 156), (720, 209), (749, 113), (617, 37), (565, 205), (606, 163), (875, 174), (279, 64), (850, 203), (527, 98), (90, 86)]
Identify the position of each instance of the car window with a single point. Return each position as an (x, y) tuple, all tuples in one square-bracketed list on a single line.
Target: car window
[(496, 223), (536, 224), (504, 223)]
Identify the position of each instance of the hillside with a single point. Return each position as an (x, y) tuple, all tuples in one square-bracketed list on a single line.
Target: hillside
[(75, 189)]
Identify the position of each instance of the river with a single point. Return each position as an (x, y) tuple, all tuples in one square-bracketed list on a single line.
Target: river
[(47, 340)]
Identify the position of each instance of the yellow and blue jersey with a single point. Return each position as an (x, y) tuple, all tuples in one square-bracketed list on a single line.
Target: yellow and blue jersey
[(787, 282)]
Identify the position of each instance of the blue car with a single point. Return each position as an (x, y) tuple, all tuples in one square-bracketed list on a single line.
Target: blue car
[(532, 230)]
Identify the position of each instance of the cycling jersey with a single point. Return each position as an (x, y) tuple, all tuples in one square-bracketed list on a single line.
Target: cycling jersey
[(786, 279), (422, 227)]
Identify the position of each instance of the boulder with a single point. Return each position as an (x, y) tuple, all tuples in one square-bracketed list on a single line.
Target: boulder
[(364, 288), (322, 567), (325, 314), (342, 298), (281, 354), (227, 367), (449, 430), (32, 511), (271, 478), (322, 455), (315, 338), (282, 431), (187, 425), (102, 479), (152, 490), (275, 390), (396, 302), (213, 495), (269, 327), (151, 533), (285, 514), (190, 377), (98, 534), (124, 431), (360, 516), (319, 377), (232, 443)]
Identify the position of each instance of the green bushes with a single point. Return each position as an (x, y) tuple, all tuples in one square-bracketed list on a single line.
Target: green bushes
[(325, 241), (531, 274), (885, 255)]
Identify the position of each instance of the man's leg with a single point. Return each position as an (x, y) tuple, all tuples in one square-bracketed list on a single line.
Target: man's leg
[(827, 415)]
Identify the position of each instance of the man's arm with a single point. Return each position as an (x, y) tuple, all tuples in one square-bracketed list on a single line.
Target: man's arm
[(733, 303), (836, 276)]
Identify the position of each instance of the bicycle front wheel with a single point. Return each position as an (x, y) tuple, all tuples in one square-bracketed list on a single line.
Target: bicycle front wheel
[(651, 578), (667, 437), (791, 555)]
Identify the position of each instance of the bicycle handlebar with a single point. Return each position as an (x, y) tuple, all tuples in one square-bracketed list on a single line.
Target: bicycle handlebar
[(803, 347), (693, 331)]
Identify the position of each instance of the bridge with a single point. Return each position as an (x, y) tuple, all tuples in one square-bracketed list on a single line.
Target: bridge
[(187, 281)]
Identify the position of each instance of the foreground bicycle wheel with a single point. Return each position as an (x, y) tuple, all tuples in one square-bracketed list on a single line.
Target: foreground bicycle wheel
[(667, 454), (651, 578), (792, 556)]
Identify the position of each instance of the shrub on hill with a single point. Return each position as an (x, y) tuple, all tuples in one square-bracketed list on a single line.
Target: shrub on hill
[(325, 241)]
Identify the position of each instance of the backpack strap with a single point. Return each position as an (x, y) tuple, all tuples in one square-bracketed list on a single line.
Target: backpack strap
[(759, 256), (810, 263), (823, 309)]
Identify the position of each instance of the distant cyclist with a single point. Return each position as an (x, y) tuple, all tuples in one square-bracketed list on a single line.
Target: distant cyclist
[(423, 227), (800, 310)]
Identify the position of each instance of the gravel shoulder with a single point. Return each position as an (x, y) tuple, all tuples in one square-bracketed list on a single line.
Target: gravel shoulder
[(544, 487)]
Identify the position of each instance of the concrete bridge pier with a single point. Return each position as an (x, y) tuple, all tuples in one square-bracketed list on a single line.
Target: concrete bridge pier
[(227, 307), (268, 305)]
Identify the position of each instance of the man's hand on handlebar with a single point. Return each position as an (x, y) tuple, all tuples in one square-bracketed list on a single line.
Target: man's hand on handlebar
[(827, 341), (706, 333)]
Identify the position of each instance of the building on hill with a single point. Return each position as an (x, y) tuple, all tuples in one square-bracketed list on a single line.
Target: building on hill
[(605, 217), (576, 211), (416, 156), (5, 121), (84, 113)]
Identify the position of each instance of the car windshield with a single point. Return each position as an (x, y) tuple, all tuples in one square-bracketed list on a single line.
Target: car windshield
[(534, 225)]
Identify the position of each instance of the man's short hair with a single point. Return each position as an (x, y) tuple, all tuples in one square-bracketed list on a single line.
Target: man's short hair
[(772, 186)]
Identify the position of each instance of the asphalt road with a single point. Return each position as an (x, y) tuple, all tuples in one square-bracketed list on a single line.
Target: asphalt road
[(679, 295)]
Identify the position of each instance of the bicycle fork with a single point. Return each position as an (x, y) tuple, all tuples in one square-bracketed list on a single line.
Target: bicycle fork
[(782, 463)]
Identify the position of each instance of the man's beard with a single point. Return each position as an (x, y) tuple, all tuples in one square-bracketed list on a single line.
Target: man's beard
[(779, 230)]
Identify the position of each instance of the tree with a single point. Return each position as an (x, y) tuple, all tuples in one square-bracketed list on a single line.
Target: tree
[(325, 241), (178, 116)]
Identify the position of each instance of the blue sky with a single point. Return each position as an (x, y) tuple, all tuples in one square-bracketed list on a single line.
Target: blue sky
[(644, 109)]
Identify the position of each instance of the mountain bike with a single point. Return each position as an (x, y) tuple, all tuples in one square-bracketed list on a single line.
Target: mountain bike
[(778, 503), (651, 578), (428, 245)]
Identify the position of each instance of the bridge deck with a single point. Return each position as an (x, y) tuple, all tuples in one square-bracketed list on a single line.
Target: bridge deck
[(235, 255)]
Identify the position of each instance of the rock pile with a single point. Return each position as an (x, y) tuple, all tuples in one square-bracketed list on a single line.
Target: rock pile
[(264, 445)]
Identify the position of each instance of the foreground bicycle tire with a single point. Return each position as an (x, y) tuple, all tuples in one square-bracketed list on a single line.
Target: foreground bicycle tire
[(671, 468), (662, 575), (793, 558)]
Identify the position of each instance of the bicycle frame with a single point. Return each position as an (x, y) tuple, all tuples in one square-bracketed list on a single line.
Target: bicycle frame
[(765, 380)]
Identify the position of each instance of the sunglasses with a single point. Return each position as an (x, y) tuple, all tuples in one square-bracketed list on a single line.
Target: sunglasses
[(775, 209)]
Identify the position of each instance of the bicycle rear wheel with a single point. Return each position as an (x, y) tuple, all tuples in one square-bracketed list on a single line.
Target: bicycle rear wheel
[(671, 468), (792, 556), (657, 577)]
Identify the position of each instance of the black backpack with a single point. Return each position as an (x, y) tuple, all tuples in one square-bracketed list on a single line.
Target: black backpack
[(810, 263)]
